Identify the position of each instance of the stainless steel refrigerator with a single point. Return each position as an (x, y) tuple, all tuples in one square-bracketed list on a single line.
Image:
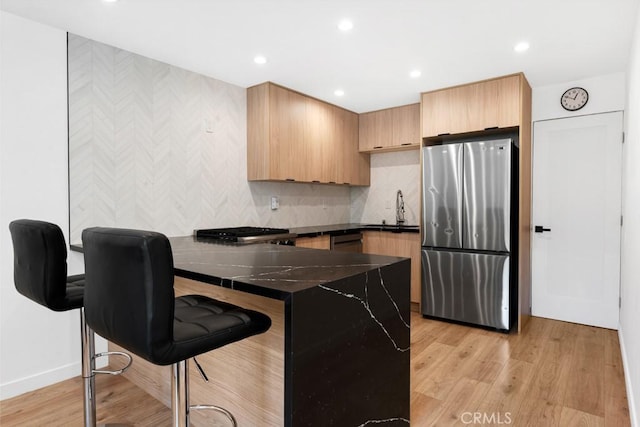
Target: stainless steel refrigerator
[(468, 242)]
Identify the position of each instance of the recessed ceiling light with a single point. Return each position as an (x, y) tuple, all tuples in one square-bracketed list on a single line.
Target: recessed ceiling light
[(521, 47), (414, 74), (345, 25), (338, 92), (260, 60), (109, 1)]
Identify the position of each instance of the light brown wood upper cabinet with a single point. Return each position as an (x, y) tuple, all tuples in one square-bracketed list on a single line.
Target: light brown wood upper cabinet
[(473, 107), (355, 165), (293, 137), (391, 129)]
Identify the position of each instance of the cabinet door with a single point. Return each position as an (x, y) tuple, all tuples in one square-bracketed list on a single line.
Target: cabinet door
[(333, 157), (319, 242), (397, 244), (376, 130), (355, 165), (288, 154), (258, 133), (437, 113), (509, 101), (314, 162), (483, 112), (367, 131), (473, 107), (406, 125), (498, 104), (346, 148), (361, 162)]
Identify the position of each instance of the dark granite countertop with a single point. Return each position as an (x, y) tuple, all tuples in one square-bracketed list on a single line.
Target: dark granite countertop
[(337, 229), (274, 271)]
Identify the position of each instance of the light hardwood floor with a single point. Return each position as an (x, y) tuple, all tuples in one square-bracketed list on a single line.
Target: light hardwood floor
[(553, 374)]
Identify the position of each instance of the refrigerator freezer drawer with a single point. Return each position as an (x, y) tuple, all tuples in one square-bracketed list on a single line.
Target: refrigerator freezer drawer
[(467, 287)]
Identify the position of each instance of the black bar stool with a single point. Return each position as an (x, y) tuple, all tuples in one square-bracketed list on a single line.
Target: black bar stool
[(129, 300), (40, 274)]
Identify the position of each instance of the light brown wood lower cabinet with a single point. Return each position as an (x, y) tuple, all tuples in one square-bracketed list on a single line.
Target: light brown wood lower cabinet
[(246, 377), (397, 244), (318, 242)]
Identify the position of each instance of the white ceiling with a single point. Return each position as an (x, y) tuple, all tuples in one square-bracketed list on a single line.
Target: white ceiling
[(450, 41)]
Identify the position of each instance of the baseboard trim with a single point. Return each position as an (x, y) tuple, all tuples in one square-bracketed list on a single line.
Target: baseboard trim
[(52, 376), (633, 414), (36, 381)]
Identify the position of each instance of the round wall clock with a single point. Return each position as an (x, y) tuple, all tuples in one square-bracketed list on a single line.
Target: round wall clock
[(574, 99)]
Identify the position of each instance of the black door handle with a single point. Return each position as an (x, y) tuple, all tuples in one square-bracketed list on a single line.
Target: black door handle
[(540, 229)]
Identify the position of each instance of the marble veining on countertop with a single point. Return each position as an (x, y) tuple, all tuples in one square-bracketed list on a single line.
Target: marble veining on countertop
[(364, 301)]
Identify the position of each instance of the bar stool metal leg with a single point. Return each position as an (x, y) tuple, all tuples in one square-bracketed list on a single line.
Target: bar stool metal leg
[(180, 394), (180, 397), (89, 371), (88, 368)]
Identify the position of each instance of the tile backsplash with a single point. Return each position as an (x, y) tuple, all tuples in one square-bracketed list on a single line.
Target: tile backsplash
[(390, 172)]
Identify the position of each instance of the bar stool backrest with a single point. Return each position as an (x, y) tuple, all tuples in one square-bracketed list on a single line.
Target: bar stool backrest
[(129, 297), (40, 263)]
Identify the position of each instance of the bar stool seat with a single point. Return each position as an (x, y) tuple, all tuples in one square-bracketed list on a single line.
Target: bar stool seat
[(130, 301), (75, 291)]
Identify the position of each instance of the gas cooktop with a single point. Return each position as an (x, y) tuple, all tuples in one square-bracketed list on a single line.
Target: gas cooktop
[(246, 234)]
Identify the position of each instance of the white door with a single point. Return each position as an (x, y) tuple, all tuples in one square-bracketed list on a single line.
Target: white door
[(577, 195)]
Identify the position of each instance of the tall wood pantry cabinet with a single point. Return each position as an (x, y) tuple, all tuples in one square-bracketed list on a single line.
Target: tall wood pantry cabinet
[(494, 105)]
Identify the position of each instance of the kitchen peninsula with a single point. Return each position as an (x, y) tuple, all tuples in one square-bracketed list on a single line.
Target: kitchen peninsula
[(338, 349)]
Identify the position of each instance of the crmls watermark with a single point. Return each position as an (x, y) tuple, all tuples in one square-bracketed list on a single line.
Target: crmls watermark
[(480, 418)]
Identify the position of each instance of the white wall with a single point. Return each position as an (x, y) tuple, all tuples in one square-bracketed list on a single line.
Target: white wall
[(390, 172), (606, 93), (630, 273), (37, 346)]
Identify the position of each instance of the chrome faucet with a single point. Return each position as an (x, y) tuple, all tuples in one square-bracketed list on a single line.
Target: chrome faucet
[(399, 208)]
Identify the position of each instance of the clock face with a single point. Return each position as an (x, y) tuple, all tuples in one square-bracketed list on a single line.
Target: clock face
[(574, 99)]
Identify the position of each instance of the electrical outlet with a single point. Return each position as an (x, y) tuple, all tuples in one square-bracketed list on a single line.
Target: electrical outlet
[(275, 203)]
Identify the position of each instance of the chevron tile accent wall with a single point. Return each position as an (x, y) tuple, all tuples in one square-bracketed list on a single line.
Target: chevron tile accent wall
[(157, 147)]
